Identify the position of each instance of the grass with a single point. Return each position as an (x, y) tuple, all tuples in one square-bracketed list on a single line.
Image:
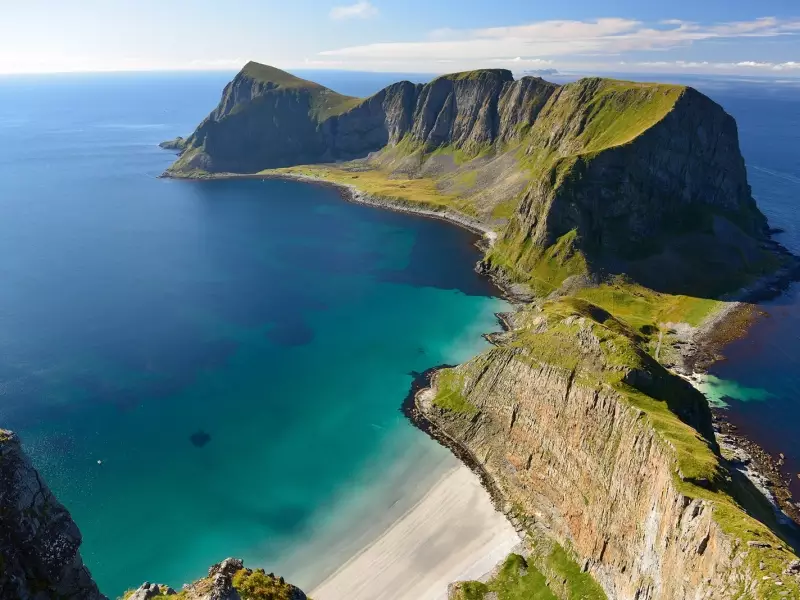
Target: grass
[(325, 103), (620, 111), (476, 75), (257, 585), (448, 393), (549, 335), (505, 209), (516, 580), (416, 192), (561, 567), (642, 307), (549, 573), (544, 270)]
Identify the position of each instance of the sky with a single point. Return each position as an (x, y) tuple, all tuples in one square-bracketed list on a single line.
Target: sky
[(737, 37)]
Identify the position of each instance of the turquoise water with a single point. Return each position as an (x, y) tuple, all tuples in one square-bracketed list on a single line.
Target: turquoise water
[(209, 369)]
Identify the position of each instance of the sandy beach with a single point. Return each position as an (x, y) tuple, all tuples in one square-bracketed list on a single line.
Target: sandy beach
[(452, 533)]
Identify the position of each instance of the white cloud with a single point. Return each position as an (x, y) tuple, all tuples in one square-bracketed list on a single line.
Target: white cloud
[(360, 10), (559, 38), (741, 66)]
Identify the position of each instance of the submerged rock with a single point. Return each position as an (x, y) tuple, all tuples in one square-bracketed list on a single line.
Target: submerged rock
[(200, 438)]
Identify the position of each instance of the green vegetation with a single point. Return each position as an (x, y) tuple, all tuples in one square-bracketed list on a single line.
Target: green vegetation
[(544, 270), (325, 103), (257, 585), (516, 580), (561, 567), (549, 573), (477, 75), (448, 393), (619, 111), (416, 192)]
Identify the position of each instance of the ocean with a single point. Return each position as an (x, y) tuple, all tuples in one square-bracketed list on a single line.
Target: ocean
[(758, 382), (212, 369)]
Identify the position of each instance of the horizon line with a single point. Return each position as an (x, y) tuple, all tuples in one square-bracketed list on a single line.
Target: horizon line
[(771, 75)]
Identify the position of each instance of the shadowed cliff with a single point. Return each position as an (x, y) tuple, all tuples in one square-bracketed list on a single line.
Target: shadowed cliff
[(583, 181)]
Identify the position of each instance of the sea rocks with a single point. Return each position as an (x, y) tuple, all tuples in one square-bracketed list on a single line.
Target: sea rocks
[(39, 541), (177, 144), (148, 591)]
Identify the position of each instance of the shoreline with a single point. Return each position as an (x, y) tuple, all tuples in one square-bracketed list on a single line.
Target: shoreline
[(698, 351), (705, 346), (452, 533), (513, 293)]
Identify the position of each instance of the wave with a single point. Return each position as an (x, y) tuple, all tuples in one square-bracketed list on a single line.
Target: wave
[(785, 176)]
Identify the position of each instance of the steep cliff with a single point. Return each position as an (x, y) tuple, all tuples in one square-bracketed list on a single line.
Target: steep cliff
[(39, 542), (592, 442), (648, 178), (269, 118), (613, 177)]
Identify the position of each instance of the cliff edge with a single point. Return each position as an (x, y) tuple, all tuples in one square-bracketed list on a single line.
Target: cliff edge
[(592, 443), (39, 541)]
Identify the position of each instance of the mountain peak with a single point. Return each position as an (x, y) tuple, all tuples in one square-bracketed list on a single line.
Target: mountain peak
[(268, 74)]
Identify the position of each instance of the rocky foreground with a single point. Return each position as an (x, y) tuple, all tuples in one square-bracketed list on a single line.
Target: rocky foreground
[(228, 580)]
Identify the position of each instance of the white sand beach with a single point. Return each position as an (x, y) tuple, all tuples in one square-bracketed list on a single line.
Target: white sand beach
[(452, 533)]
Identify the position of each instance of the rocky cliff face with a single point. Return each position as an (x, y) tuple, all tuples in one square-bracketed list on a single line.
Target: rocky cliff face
[(39, 542), (267, 118), (619, 464), (646, 176)]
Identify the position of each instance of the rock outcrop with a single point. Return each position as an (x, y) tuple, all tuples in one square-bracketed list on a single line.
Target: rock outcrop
[(228, 580), (591, 442), (39, 541)]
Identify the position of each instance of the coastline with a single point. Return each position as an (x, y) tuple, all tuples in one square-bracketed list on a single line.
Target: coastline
[(452, 533), (699, 348), (705, 345)]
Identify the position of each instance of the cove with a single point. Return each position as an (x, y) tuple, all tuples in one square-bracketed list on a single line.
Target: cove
[(206, 369)]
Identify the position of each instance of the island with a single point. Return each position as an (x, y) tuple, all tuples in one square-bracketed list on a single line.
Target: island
[(618, 218)]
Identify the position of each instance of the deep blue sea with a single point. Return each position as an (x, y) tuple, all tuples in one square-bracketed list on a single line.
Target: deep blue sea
[(759, 382), (206, 369), (212, 369)]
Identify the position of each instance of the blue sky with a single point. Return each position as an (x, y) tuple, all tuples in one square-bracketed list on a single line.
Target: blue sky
[(692, 36)]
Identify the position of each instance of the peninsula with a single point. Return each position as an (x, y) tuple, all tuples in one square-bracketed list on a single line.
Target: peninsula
[(619, 217)]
